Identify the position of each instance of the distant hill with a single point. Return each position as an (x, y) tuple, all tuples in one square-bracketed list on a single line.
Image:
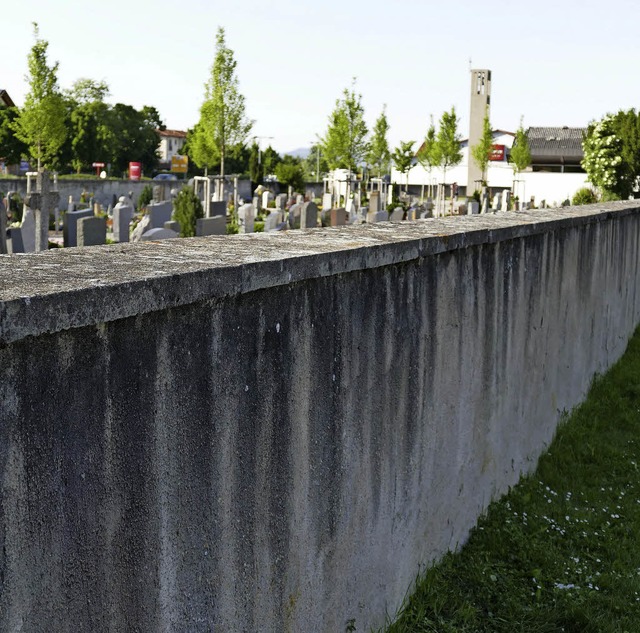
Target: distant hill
[(301, 152)]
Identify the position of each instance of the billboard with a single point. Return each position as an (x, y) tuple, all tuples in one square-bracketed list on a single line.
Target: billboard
[(497, 152), (135, 171), (179, 164)]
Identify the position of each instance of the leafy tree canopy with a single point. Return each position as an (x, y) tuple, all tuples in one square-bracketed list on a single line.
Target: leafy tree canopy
[(223, 122), (41, 122), (344, 144), (379, 154)]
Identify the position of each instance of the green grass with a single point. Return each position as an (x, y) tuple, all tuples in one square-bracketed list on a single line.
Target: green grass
[(561, 551)]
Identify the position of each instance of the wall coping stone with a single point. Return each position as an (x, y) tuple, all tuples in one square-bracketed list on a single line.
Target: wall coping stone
[(68, 288)]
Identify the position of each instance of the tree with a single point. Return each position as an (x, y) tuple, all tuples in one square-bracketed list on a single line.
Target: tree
[(344, 144), (448, 142), (627, 126), (520, 155), (315, 164), (135, 137), (481, 153), (223, 122), (41, 123), (379, 155), (290, 172), (256, 174), (12, 149), (603, 159), (187, 208), (91, 135), (429, 153), (403, 158)]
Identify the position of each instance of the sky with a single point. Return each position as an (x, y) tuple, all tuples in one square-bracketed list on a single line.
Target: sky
[(561, 62)]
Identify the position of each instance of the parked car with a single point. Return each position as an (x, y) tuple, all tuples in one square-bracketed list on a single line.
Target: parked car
[(165, 177)]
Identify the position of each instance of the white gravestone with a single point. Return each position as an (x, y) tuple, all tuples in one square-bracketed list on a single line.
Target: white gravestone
[(246, 217)]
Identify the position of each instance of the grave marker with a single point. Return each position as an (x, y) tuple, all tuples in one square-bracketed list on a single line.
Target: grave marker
[(309, 215), (92, 231), (42, 202)]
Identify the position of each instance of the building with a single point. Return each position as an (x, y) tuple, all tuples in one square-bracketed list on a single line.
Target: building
[(556, 149), (5, 100), (171, 144), (480, 107)]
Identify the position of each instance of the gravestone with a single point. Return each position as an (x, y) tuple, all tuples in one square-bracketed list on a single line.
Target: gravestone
[(396, 215), (158, 194), (338, 217), (92, 231), (159, 213), (158, 234), (267, 197), (374, 202), (497, 200), (349, 206), (70, 205), (43, 202), (211, 226), (281, 201), (218, 208), (309, 215), (506, 199), (272, 221), (373, 217), (3, 229), (246, 218), (473, 207), (327, 201), (70, 226), (172, 225), (122, 216), (256, 203), (294, 216), (299, 198), (15, 239)]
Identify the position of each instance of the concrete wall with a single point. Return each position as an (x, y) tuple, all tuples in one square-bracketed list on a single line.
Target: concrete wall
[(105, 190), (275, 432)]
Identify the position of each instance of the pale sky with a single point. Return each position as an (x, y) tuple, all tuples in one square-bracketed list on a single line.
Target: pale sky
[(560, 62)]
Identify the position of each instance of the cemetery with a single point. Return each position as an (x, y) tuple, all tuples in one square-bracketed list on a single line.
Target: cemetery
[(276, 431), (252, 401)]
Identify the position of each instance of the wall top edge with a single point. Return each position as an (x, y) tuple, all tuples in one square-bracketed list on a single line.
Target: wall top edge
[(67, 288)]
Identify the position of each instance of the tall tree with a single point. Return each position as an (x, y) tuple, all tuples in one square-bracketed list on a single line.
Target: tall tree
[(429, 153), (379, 155), (223, 122), (344, 144), (520, 154), (403, 159), (481, 153), (448, 142), (41, 122)]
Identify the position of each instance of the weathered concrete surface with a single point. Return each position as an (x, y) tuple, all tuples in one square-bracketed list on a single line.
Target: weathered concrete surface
[(270, 432)]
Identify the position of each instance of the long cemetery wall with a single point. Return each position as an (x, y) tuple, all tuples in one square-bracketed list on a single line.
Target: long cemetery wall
[(275, 432)]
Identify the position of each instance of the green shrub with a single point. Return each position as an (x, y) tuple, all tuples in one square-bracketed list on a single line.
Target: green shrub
[(585, 195), (145, 197), (187, 208), (258, 227)]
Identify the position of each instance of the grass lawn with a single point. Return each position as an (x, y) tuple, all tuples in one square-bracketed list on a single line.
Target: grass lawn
[(561, 551)]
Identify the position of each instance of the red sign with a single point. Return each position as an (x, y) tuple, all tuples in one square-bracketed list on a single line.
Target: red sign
[(497, 152), (135, 171), (97, 165)]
